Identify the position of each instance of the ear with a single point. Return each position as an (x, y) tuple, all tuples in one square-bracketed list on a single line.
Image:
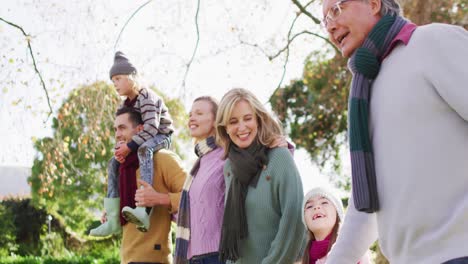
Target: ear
[(376, 6), (139, 128)]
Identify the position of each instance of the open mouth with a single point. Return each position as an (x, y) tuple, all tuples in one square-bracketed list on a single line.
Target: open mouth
[(243, 136), (317, 216), (342, 37)]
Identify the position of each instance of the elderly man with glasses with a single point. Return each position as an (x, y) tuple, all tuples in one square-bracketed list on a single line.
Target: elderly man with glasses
[(408, 133)]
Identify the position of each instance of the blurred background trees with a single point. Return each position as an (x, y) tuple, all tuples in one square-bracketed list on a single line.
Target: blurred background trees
[(69, 175), (314, 107), (69, 170)]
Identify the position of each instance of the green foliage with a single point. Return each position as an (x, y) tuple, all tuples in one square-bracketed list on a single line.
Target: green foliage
[(313, 109), (53, 245), (62, 260), (451, 12), (446, 11), (180, 118), (26, 232), (7, 229), (70, 171)]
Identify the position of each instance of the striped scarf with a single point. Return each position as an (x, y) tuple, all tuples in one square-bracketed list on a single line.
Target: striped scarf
[(365, 65), (183, 220)]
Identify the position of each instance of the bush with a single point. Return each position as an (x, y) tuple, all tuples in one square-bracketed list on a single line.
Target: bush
[(67, 260), (28, 225), (7, 229), (52, 245), (24, 237)]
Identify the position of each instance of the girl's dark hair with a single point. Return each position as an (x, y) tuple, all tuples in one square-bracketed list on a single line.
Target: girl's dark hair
[(334, 235)]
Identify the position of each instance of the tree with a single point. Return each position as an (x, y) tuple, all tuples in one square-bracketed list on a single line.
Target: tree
[(69, 172), (314, 108), (447, 11)]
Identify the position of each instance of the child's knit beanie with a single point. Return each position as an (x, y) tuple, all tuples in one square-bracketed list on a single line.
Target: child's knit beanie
[(327, 193), (121, 65)]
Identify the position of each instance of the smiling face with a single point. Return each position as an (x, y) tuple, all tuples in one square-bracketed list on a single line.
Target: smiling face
[(201, 120), (320, 216), (350, 28), (125, 129), (242, 126)]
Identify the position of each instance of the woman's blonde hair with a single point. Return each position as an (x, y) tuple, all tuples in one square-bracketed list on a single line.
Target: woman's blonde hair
[(268, 126)]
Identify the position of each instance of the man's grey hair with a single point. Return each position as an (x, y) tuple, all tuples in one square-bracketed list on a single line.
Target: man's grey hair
[(390, 7)]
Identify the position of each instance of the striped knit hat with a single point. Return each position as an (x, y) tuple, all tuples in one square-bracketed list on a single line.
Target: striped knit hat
[(327, 193)]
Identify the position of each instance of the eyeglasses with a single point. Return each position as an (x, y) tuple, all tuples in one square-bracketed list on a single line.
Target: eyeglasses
[(334, 12)]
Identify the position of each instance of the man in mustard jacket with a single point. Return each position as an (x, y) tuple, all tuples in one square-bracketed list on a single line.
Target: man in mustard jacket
[(155, 245)]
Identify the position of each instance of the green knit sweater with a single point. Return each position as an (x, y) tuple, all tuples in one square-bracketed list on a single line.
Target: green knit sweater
[(273, 211)]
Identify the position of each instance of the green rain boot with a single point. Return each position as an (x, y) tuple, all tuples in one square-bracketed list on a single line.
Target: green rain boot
[(112, 225), (138, 216)]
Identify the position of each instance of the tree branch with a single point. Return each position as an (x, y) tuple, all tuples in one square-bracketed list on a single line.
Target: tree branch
[(305, 12), (297, 35), (195, 49), (291, 39), (28, 40), (128, 20), (287, 51), (242, 42)]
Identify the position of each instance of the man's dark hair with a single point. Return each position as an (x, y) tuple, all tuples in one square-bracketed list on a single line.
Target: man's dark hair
[(133, 115)]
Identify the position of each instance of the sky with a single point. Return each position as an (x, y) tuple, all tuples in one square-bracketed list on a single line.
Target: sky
[(74, 42)]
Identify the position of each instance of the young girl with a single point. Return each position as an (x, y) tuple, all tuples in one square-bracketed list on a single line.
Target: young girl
[(156, 134), (322, 214)]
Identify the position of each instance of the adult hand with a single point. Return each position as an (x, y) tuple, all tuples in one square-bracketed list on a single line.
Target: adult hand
[(280, 141), (147, 196), (120, 158), (104, 217), (121, 151)]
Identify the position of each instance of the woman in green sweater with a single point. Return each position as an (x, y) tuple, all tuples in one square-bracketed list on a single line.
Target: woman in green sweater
[(262, 217)]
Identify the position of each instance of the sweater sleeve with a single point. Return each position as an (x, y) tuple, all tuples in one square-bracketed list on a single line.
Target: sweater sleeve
[(357, 234), (174, 176), (287, 189), (151, 107), (446, 65)]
